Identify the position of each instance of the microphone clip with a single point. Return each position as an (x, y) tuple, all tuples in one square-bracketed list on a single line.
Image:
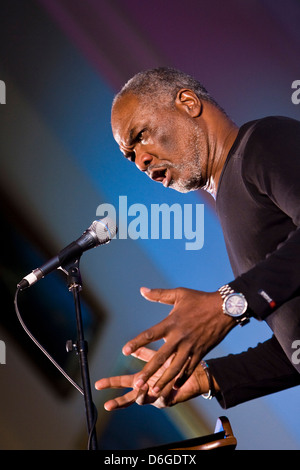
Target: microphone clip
[(71, 269)]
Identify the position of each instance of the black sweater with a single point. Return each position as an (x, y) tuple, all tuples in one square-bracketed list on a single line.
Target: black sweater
[(258, 204)]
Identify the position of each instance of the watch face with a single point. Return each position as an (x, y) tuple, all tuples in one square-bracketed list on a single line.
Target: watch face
[(235, 305)]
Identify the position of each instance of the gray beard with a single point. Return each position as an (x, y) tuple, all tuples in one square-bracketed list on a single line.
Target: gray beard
[(185, 185), (192, 167)]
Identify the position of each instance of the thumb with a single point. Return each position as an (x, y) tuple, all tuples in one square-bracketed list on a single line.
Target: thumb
[(164, 296)]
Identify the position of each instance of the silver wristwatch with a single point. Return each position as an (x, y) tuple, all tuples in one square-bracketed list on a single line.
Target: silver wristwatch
[(234, 304)]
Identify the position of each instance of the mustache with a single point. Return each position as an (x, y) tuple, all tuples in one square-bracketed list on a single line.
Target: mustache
[(160, 166)]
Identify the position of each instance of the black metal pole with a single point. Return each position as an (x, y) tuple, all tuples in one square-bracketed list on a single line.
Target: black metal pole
[(75, 286)]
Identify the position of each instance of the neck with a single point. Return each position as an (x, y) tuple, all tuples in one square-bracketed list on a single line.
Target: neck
[(222, 135)]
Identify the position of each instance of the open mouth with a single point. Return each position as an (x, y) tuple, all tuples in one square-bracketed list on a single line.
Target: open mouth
[(162, 175)]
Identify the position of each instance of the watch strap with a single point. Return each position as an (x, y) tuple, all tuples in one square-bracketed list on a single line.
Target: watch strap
[(225, 290)]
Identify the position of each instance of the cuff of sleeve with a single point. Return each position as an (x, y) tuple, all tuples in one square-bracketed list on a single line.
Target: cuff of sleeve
[(252, 374), (231, 395)]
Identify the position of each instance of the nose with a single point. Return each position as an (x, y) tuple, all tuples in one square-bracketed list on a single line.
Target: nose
[(142, 160)]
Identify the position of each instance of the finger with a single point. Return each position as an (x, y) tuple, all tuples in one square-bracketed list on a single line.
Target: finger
[(183, 375), (153, 379), (120, 381), (121, 402), (159, 359), (144, 354), (177, 367), (193, 364), (124, 381), (180, 381), (141, 396), (165, 397), (146, 397), (164, 296), (188, 371), (154, 333)]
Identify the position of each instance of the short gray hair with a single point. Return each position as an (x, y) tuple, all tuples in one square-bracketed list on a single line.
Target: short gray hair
[(164, 82)]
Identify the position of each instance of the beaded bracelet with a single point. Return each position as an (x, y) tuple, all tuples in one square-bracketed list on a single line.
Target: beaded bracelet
[(211, 392)]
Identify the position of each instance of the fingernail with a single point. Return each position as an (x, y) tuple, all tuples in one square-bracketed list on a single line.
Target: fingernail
[(156, 390), (126, 351), (139, 383), (145, 290)]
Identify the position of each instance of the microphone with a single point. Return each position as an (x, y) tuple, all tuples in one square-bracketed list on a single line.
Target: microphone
[(99, 233)]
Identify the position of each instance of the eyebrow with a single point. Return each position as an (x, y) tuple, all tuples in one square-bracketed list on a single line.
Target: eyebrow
[(132, 136), (128, 153), (134, 132)]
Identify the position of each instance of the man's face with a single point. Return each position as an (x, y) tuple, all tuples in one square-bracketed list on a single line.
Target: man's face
[(163, 142)]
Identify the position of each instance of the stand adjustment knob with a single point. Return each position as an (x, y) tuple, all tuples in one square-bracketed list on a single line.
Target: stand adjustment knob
[(70, 346)]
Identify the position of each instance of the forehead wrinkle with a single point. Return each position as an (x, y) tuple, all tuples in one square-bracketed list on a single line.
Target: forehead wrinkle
[(131, 136), (125, 144), (123, 113), (120, 135), (127, 114)]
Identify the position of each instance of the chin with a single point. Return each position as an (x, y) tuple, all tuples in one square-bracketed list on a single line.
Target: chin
[(184, 187), (183, 190)]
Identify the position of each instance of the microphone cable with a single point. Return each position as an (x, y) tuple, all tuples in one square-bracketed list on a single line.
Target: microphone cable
[(51, 359)]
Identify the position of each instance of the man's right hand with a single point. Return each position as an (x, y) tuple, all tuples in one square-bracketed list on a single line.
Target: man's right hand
[(195, 385), (194, 326)]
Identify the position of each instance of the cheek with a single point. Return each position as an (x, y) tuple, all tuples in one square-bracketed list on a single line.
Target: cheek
[(147, 142), (167, 140)]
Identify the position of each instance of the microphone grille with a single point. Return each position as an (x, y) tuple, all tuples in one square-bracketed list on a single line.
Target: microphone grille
[(105, 229)]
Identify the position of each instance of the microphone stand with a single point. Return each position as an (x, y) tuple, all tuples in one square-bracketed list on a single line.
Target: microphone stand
[(81, 348)]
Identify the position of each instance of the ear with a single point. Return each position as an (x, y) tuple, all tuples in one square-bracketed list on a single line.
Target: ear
[(189, 102)]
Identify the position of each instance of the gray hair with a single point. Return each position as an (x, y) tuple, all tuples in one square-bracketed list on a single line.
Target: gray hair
[(164, 82)]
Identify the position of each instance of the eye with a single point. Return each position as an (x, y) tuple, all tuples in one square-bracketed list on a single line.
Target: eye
[(130, 155), (139, 136)]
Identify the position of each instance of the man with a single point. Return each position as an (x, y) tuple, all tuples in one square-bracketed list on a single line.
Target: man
[(172, 129)]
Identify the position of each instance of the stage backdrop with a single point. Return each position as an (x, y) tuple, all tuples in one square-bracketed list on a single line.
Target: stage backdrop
[(61, 62)]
